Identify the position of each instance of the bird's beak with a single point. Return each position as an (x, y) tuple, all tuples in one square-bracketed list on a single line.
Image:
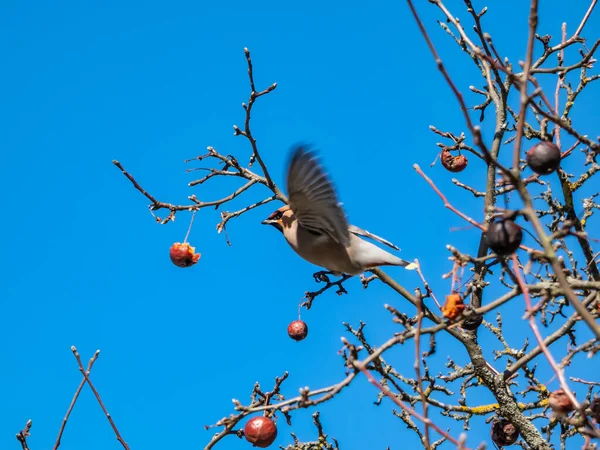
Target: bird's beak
[(273, 223)]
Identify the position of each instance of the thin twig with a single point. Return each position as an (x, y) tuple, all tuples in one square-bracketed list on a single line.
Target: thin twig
[(417, 366), (97, 395), (559, 81), (445, 200), (405, 407), (24, 434), (585, 19), (134, 182), (74, 400), (533, 21), (538, 336), (247, 132)]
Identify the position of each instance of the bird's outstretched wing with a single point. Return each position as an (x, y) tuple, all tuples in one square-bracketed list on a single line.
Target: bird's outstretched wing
[(313, 198), (360, 232)]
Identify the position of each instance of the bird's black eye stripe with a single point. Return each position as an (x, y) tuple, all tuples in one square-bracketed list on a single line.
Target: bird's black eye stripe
[(278, 215)]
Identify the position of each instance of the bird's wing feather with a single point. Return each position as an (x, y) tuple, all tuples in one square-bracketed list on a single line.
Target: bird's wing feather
[(313, 198), (360, 232)]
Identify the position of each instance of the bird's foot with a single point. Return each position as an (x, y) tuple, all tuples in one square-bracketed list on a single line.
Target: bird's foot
[(322, 276)]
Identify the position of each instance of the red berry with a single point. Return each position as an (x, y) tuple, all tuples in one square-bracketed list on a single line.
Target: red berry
[(543, 158), (504, 433), (453, 163), (297, 330), (504, 237), (183, 255), (260, 431)]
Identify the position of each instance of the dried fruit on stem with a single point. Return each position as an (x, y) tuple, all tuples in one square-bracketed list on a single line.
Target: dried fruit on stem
[(504, 433), (260, 431), (453, 307), (453, 163), (183, 255), (298, 330), (472, 323), (543, 158), (595, 409), (560, 403), (504, 237)]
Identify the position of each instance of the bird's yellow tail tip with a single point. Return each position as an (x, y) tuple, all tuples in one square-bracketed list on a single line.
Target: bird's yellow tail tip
[(411, 266)]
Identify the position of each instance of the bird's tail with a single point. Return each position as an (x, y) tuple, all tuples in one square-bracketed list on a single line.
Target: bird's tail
[(382, 258), (395, 261), (371, 256)]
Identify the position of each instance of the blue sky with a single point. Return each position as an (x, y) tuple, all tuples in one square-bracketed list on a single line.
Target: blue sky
[(84, 264)]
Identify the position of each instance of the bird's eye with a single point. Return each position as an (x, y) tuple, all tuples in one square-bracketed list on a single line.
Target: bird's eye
[(278, 215)]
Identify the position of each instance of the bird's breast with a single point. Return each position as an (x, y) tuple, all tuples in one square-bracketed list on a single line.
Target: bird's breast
[(321, 250)]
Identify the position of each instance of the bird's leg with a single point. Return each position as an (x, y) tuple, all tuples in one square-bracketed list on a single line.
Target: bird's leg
[(322, 276), (341, 289)]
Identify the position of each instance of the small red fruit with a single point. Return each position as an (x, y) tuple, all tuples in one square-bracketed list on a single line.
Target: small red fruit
[(183, 255), (297, 330), (543, 158), (453, 163), (260, 431), (504, 433), (504, 237)]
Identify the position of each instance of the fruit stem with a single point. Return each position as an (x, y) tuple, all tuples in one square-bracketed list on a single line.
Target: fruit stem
[(190, 227)]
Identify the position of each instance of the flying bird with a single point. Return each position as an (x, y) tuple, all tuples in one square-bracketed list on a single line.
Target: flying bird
[(314, 223)]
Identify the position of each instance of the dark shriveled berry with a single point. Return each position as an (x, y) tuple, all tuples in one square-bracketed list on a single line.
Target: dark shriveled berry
[(472, 323), (453, 163), (297, 330), (260, 431), (504, 433), (595, 409), (504, 237), (543, 158), (560, 403)]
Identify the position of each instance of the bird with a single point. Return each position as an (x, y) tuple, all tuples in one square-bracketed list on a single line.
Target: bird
[(315, 225)]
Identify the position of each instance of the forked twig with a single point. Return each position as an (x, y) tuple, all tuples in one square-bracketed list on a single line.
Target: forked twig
[(97, 395), (74, 400)]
